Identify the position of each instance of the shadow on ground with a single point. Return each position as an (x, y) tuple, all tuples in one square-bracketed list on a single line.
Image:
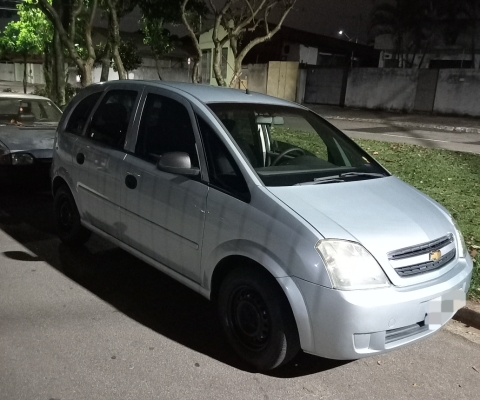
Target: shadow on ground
[(134, 288)]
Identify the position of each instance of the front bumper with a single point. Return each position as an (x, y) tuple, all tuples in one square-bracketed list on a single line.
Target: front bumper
[(347, 325)]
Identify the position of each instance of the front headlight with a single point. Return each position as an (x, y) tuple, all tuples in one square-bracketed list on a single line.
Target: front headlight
[(22, 159), (350, 266), (462, 247)]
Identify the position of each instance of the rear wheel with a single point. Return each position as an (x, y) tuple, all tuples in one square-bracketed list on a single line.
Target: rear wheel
[(70, 230), (257, 318)]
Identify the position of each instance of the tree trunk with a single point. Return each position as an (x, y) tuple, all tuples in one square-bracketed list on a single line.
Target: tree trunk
[(68, 39), (58, 73), (114, 31), (158, 67), (195, 78), (217, 69), (86, 73), (25, 73), (107, 56), (193, 36), (237, 73), (122, 74), (47, 71)]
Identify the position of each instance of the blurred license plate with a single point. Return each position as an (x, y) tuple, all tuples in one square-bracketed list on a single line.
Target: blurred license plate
[(443, 308)]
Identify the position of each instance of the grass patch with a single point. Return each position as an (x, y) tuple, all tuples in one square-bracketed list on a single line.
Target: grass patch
[(451, 178)]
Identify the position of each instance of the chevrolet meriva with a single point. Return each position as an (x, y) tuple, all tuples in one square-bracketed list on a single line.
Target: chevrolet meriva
[(302, 239)]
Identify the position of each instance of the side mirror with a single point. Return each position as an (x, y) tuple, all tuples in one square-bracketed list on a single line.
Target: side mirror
[(177, 162)]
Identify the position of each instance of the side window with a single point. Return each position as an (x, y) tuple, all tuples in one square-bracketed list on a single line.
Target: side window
[(223, 172), (110, 121), (79, 117), (165, 127)]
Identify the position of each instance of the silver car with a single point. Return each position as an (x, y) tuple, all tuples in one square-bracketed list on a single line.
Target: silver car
[(27, 131), (300, 237)]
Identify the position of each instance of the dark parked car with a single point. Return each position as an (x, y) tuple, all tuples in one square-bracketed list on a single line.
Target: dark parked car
[(27, 131)]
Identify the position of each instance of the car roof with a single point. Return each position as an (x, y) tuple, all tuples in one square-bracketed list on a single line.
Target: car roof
[(21, 96), (213, 94)]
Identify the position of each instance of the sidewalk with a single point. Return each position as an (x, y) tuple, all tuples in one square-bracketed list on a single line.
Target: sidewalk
[(460, 124)]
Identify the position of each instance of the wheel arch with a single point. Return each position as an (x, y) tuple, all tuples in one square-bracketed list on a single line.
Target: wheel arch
[(57, 182)]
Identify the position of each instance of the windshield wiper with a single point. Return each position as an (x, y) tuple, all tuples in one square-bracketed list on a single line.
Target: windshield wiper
[(353, 173), (325, 179), (341, 177)]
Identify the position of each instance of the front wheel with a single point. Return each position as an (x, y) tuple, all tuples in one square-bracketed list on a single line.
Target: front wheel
[(257, 318), (70, 230)]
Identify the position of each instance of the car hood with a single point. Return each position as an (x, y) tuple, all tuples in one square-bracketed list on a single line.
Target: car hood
[(383, 214), (36, 140)]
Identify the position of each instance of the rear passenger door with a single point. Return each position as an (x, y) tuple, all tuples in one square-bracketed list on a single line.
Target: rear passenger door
[(98, 155), (163, 214)]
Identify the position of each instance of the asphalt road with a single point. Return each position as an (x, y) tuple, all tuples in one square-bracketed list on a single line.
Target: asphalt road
[(98, 324), (428, 137)]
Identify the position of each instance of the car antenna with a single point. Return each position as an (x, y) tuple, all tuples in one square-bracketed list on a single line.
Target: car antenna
[(246, 89)]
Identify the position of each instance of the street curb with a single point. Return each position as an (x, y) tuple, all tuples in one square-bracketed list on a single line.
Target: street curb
[(469, 315), (454, 129)]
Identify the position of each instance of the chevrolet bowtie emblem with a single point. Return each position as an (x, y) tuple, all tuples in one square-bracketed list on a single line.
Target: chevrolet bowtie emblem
[(435, 255)]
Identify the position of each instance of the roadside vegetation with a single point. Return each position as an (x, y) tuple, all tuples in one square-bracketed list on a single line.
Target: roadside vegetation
[(451, 178)]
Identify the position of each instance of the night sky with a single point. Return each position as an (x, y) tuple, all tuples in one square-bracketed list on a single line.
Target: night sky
[(324, 17)]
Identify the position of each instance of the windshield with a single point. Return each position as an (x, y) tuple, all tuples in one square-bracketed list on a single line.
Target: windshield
[(28, 111), (290, 146)]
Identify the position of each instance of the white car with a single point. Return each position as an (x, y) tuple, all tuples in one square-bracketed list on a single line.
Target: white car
[(302, 239)]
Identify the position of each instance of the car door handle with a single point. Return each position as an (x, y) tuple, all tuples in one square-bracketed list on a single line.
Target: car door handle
[(80, 158), (131, 181)]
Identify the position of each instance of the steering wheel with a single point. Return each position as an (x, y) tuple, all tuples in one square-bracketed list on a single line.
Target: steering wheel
[(285, 152)]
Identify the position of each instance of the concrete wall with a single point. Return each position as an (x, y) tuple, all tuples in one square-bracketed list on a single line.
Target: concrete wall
[(167, 74), (256, 77), (458, 92), (324, 85), (7, 72), (13, 72), (168, 71), (381, 88), (282, 79)]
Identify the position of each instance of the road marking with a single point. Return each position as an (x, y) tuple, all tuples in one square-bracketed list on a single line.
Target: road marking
[(411, 137)]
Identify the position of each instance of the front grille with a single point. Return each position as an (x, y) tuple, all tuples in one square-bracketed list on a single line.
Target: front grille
[(420, 249), (401, 333), (426, 266)]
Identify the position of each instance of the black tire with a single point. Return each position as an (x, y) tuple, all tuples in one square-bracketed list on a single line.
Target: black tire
[(70, 230), (257, 318)]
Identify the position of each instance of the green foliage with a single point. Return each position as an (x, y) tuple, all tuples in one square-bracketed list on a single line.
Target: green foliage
[(129, 55), (30, 34), (157, 37)]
